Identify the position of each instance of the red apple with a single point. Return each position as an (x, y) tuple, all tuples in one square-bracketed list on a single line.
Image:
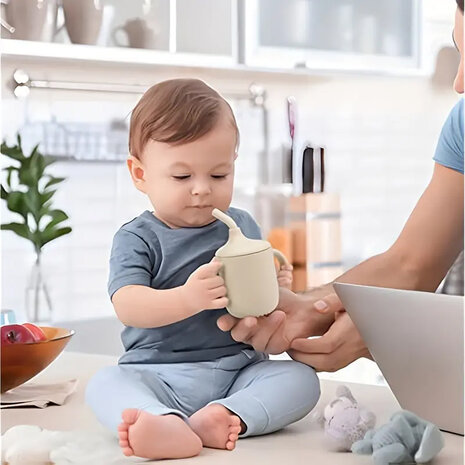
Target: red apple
[(36, 331), (15, 334)]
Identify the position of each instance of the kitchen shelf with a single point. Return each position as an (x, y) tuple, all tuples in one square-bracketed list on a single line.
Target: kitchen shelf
[(59, 52)]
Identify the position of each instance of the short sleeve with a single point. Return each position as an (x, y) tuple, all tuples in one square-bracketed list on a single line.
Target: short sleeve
[(449, 151), (248, 225), (131, 262)]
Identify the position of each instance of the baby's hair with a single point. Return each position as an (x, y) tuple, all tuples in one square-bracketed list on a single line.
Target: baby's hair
[(176, 112)]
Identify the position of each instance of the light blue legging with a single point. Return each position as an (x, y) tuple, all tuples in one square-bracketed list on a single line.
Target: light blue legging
[(266, 394)]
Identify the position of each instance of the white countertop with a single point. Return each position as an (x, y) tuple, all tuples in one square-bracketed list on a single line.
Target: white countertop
[(299, 444)]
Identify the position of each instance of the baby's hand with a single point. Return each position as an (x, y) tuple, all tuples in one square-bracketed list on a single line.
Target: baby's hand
[(204, 289), (285, 276)]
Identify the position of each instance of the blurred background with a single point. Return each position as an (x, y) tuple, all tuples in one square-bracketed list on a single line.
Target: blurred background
[(339, 103)]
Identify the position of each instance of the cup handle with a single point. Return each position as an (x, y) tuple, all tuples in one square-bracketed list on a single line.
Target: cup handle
[(281, 257), (115, 37)]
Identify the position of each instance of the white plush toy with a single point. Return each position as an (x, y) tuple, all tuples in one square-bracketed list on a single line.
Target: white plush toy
[(345, 421)]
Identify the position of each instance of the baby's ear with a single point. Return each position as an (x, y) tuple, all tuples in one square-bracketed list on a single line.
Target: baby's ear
[(137, 171)]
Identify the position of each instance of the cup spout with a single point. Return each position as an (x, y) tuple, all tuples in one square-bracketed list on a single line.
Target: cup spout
[(224, 218)]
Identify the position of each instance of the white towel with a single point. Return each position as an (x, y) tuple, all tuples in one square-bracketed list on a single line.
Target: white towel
[(38, 395)]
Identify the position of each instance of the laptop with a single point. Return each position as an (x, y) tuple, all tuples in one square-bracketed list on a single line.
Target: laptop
[(417, 340)]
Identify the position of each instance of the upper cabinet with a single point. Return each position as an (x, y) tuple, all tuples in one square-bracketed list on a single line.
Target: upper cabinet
[(207, 27), (376, 36), (381, 35), (194, 30), (179, 32)]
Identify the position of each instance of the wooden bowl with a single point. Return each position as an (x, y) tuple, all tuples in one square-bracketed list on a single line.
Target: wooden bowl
[(21, 362)]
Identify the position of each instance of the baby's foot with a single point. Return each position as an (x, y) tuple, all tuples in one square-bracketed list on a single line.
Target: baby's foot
[(156, 436), (216, 426)]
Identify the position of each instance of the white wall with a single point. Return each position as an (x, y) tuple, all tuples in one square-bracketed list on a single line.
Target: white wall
[(380, 134)]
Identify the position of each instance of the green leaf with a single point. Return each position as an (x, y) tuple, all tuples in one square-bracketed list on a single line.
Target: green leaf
[(4, 193), (19, 228), (14, 152), (10, 170), (58, 216), (49, 160), (17, 203), (53, 181), (46, 196), (34, 150), (18, 138), (45, 208), (33, 203), (52, 234)]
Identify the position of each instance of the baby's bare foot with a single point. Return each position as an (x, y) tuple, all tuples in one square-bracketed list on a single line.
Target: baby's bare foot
[(216, 426), (156, 436)]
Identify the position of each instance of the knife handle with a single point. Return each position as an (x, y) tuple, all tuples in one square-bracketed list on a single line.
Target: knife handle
[(307, 170), (322, 169)]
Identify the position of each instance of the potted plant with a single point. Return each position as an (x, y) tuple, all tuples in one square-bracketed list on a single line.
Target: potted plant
[(29, 192)]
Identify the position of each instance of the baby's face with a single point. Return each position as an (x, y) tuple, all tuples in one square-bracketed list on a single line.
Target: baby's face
[(186, 182)]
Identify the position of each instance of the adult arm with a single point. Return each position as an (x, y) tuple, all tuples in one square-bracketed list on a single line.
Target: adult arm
[(419, 259)]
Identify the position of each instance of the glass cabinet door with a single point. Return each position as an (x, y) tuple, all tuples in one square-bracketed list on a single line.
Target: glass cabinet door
[(206, 26), (331, 33), (195, 29)]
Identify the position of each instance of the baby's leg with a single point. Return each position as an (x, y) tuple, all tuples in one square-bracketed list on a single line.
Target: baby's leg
[(270, 394), (135, 403)]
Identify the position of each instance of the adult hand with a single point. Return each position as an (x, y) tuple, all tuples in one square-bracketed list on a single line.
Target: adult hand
[(294, 317), (339, 346)]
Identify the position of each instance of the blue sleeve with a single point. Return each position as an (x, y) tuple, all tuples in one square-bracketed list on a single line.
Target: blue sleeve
[(248, 225), (131, 261), (449, 151)]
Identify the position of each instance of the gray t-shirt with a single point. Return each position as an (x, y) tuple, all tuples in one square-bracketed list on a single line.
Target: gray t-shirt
[(147, 252)]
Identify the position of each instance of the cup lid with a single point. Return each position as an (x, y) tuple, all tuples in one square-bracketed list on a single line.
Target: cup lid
[(239, 245)]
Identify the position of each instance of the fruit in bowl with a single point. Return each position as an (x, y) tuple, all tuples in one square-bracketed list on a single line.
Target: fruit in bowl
[(27, 349), (18, 334)]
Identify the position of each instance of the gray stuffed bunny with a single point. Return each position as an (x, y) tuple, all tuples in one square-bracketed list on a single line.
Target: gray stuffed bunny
[(406, 438)]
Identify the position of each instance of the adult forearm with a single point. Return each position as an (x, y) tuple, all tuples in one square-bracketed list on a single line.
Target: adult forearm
[(390, 270), (145, 307)]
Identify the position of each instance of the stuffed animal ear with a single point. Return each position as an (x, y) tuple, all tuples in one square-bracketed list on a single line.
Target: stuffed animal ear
[(344, 391), (432, 442)]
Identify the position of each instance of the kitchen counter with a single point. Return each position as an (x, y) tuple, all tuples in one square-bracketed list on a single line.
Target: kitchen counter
[(301, 443)]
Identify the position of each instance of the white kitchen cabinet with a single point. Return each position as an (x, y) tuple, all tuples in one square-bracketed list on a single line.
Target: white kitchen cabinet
[(182, 32), (190, 29), (381, 35)]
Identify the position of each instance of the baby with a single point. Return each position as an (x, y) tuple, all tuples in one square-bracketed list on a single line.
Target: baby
[(182, 382)]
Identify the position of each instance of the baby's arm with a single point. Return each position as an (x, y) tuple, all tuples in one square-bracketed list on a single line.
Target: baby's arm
[(145, 307)]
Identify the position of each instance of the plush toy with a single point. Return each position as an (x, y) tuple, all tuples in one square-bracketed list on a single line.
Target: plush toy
[(345, 421), (406, 438)]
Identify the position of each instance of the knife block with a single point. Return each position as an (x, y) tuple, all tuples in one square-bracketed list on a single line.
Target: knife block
[(315, 224)]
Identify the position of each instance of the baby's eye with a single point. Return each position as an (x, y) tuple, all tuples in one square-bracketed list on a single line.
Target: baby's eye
[(180, 178), (218, 176)]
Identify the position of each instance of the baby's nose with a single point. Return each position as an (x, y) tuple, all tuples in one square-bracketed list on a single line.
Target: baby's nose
[(201, 188)]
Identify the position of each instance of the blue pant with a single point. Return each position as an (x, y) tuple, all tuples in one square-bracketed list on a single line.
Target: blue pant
[(266, 394)]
